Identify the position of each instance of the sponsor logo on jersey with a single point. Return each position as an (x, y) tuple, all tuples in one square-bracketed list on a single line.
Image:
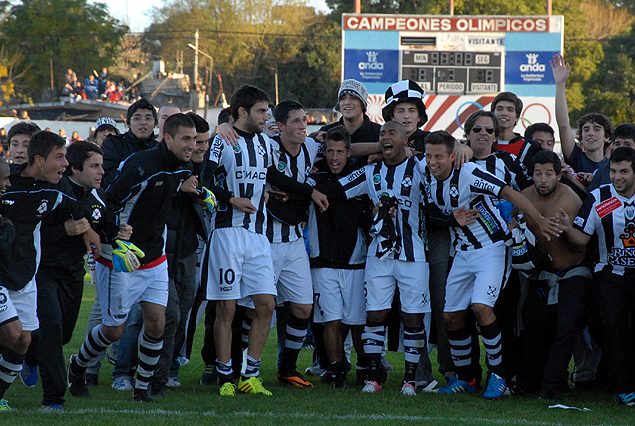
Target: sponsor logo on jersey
[(159, 183), (3, 298), (628, 237), (608, 206), (3, 308), (486, 217), (622, 257), (355, 175), (281, 166), (482, 184), (251, 174), (376, 178), (578, 221), (8, 202), (520, 250), (227, 288)]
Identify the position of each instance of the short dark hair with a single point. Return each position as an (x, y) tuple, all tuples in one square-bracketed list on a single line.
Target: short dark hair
[(23, 128), (142, 103), (282, 110), (509, 97), (624, 131), (78, 152), (623, 153), (175, 122), (42, 143), (538, 127), (441, 137), (202, 126), (546, 157), (224, 115), (471, 121), (597, 118), (338, 134), (246, 97)]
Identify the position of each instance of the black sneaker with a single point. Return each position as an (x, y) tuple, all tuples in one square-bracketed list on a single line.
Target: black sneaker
[(547, 394), (141, 395), (76, 381), (91, 379), (156, 389)]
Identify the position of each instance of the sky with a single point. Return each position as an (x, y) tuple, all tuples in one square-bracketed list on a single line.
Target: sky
[(135, 13)]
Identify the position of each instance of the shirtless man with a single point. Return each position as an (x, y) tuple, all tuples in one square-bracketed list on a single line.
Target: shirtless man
[(559, 264)]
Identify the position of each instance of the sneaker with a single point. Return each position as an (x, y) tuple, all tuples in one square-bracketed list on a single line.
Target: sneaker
[(252, 385), (156, 389), (181, 360), (426, 386), (495, 387), (29, 375), (327, 378), (141, 395), (209, 376), (76, 382), (4, 405), (53, 408), (361, 375), (408, 389), (228, 389), (91, 379), (122, 385), (371, 387), (620, 398), (547, 394), (294, 378), (173, 382), (340, 383), (457, 385), (314, 370)]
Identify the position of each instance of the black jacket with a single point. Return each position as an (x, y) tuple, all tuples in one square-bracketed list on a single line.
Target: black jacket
[(117, 148), (368, 132)]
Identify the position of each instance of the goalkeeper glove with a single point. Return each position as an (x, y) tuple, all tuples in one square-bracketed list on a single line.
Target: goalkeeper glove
[(209, 199), (125, 256)]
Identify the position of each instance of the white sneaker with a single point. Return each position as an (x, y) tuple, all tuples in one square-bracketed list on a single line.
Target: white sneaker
[(314, 370), (371, 387), (408, 389), (425, 386), (122, 385), (173, 382)]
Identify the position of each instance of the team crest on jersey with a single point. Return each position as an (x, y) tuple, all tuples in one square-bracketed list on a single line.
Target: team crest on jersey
[(629, 211), (96, 214), (454, 191), (43, 207), (236, 149), (376, 178), (491, 291), (261, 150), (3, 298), (407, 181), (307, 171), (282, 166)]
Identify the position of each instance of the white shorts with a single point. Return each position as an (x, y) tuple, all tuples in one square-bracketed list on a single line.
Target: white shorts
[(292, 272), (477, 276), (382, 278), (338, 294), (21, 304), (118, 291), (239, 265)]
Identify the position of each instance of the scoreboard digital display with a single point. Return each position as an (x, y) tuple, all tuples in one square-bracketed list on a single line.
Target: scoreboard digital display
[(453, 72)]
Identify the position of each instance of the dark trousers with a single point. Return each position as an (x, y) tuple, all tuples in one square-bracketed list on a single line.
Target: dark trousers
[(59, 299), (615, 299)]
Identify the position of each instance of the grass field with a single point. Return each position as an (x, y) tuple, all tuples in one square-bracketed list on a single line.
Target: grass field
[(196, 404)]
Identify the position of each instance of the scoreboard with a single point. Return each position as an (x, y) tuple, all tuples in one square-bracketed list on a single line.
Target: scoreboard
[(453, 72), (461, 62)]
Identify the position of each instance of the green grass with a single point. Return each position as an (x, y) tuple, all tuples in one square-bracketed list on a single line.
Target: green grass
[(196, 404)]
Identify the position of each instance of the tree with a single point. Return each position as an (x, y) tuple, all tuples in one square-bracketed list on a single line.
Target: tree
[(72, 33)]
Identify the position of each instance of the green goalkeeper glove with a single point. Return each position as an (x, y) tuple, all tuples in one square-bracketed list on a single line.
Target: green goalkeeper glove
[(209, 199), (125, 256)]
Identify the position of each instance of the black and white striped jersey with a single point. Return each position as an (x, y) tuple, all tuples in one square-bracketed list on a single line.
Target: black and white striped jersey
[(296, 167), (405, 182), (474, 188), (242, 171), (507, 167), (612, 218)]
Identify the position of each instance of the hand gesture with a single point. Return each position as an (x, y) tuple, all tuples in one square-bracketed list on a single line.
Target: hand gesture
[(560, 69), (228, 134), (465, 217)]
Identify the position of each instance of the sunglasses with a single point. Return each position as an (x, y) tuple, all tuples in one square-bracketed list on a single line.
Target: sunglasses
[(477, 129)]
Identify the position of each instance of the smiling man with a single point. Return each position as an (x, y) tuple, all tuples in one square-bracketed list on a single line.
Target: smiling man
[(18, 137), (141, 195)]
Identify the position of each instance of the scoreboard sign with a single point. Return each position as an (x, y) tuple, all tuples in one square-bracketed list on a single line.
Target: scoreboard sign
[(461, 58)]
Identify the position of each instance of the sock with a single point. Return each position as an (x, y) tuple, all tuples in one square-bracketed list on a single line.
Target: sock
[(293, 341), (461, 351), (253, 367), (244, 331), (493, 347), (94, 345), (225, 372), (10, 367), (414, 340), (374, 337), (149, 353)]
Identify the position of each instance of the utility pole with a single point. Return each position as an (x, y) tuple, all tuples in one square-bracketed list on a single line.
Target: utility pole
[(194, 90)]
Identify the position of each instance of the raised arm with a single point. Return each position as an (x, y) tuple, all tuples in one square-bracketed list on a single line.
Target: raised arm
[(561, 72)]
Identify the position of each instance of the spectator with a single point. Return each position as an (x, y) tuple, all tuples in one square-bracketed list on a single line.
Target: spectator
[(70, 77), (91, 87)]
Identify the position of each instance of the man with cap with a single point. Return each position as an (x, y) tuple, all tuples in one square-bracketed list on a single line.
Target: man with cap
[(352, 103), (404, 104), (105, 126)]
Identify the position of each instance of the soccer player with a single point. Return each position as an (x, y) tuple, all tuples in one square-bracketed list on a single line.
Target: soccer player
[(338, 246), (481, 262), (32, 198), (60, 277), (18, 137), (141, 195), (547, 353), (608, 212), (624, 135), (238, 256), (507, 107)]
